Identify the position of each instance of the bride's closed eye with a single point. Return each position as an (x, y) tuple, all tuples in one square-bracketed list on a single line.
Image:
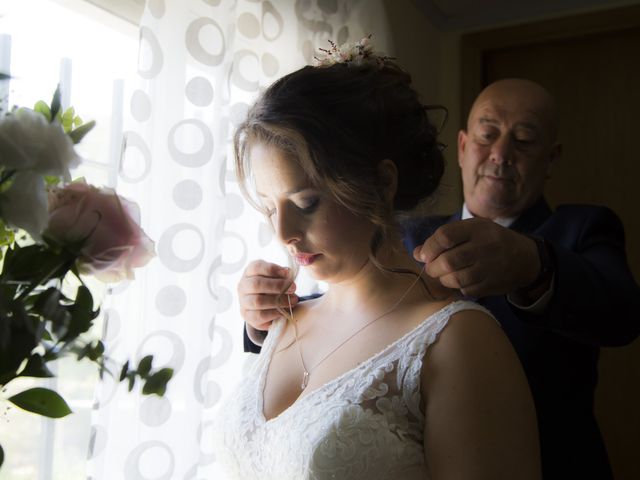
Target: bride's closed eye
[(306, 207), (310, 205)]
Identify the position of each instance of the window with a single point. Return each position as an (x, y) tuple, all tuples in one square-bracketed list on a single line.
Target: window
[(92, 54)]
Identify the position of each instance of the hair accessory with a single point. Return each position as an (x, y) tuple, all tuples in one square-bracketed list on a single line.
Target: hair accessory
[(357, 53)]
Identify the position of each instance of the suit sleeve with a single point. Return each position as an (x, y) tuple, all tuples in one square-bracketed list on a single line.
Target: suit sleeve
[(249, 346), (596, 299)]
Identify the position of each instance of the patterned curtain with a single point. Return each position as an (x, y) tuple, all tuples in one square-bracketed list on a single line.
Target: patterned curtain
[(201, 64)]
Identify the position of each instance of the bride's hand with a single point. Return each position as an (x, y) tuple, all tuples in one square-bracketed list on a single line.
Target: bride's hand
[(258, 291)]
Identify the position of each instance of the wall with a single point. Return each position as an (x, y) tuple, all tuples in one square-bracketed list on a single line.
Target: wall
[(432, 57)]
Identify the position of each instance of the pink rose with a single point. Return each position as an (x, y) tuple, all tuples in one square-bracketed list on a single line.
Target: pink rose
[(108, 225)]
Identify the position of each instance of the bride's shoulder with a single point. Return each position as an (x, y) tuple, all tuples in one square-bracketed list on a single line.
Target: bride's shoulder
[(284, 325), (471, 333)]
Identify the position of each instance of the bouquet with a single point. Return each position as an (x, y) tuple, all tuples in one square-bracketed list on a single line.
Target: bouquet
[(53, 232)]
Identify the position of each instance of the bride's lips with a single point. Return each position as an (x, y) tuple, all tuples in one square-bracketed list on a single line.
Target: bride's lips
[(305, 259)]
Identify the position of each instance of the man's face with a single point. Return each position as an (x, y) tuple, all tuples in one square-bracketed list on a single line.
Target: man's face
[(507, 150)]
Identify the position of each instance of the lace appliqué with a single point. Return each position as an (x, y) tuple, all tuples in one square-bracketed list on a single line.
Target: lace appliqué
[(365, 424)]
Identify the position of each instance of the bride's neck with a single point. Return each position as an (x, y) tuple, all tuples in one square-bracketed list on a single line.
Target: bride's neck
[(374, 287)]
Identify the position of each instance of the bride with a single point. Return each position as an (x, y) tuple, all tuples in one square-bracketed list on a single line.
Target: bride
[(386, 375)]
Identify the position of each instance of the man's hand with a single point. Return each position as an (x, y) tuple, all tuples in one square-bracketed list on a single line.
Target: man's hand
[(480, 257), (258, 291)]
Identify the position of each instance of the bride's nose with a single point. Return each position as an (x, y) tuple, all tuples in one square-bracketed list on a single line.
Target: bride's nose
[(288, 226)]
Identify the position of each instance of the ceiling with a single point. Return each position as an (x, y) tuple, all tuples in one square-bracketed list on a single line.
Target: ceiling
[(448, 15), (476, 14), (129, 10)]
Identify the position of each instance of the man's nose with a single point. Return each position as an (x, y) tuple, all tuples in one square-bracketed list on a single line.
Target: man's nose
[(502, 150)]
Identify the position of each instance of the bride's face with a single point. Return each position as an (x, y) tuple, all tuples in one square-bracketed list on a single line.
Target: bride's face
[(320, 235)]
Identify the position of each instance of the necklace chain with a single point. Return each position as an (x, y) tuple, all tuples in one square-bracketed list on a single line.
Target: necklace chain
[(307, 371)]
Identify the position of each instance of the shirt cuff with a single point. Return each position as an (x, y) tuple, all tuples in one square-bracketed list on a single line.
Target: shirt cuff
[(539, 305), (256, 336)]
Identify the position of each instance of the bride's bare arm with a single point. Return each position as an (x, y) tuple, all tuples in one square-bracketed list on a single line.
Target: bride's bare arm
[(480, 418)]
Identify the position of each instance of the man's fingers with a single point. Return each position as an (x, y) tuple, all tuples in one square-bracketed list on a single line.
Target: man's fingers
[(430, 249), (464, 280), (443, 239), (455, 260)]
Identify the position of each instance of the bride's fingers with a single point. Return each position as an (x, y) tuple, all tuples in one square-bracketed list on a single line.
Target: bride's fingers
[(267, 302), (260, 268), (264, 285), (262, 319)]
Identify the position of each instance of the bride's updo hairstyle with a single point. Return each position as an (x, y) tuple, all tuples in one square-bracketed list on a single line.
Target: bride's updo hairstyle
[(338, 121)]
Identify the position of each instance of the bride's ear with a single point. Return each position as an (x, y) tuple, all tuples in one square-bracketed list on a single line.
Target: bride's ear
[(388, 174)]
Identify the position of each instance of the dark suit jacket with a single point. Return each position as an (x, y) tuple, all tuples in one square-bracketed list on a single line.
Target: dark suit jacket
[(595, 302)]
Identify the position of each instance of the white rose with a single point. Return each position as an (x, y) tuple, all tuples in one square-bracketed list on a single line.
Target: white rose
[(29, 142), (25, 205)]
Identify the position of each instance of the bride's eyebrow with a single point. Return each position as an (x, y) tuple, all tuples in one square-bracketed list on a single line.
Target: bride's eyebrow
[(289, 192)]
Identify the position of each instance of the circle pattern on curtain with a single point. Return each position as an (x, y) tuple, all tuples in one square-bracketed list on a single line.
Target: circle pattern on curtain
[(202, 63)]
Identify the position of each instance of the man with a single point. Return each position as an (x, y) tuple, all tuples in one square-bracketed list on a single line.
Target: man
[(558, 282)]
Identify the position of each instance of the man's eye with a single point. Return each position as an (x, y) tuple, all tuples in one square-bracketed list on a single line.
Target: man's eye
[(486, 137), (524, 143)]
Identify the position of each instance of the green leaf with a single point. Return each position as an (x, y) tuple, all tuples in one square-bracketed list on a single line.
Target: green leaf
[(82, 314), (1, 456), (42, 401), (7, 236), (84, 351), (78, 134), (35, 264), (46, 335), (36, 367), (16, 344), (48, 305), (68, 114), (6, 178), (51, 180), (67, 119), (96, 352), (84, 299), (144, 367), (55, 103), (124, 371), (157, 383), (43, 108)]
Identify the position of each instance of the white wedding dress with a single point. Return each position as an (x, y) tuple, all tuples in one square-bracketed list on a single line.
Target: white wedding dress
[(365, 424)]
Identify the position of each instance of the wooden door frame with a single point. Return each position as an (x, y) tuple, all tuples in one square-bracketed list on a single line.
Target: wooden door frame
[(474, 45)]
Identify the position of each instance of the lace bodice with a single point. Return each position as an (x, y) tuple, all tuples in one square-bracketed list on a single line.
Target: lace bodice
[(364, 424)]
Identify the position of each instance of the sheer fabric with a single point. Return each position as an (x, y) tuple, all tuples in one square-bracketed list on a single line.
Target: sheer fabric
[(201, 64)]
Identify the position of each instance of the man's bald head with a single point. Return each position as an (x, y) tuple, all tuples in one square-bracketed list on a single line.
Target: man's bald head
[(524, 95)]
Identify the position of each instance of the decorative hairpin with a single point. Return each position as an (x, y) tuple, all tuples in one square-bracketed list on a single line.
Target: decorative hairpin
[(357, 53)]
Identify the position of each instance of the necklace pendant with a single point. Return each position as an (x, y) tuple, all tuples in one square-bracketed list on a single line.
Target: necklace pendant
[(305, 380)]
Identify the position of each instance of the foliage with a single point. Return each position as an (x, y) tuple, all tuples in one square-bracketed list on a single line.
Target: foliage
[(41, 321)]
